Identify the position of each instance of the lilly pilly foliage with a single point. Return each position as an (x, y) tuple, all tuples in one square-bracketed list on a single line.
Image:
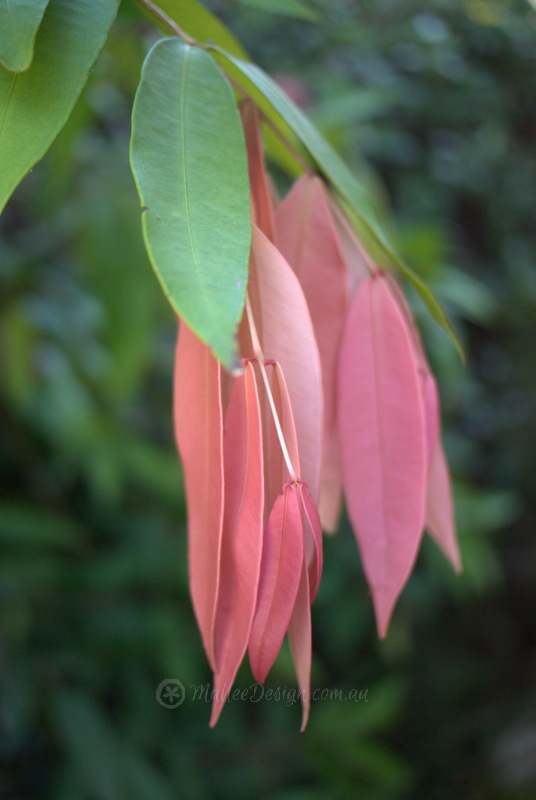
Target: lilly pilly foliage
[(189, 155), (197, 200)]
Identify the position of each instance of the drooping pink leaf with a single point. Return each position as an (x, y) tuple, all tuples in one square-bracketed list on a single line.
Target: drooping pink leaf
[(305, 235), (382, 431), (300, 639), (241, 546), (440, 518), (282, 557), (287, 337), (439, 508), (261, 198), (313, 541), (199, 433)]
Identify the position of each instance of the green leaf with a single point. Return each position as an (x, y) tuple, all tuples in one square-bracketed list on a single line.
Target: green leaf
[(19, 22), (35, 104), (201, 24), (189, 161), (290, 8), (283, 114)]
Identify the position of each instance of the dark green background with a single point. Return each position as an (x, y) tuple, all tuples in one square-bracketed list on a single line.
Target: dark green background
[(438, 99)]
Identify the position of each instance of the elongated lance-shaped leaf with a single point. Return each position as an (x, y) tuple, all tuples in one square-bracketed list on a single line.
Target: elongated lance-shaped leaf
[(19, 22), (35, 104), (382, 429), (199, 431), (241, 546), (189, 162), (307, 238), (281, 566)]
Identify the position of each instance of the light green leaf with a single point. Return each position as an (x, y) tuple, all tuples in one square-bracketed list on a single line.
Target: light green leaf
[(284, 115), (35, 104), (290, 8), (189, 162), (19, 22), (201, 24)]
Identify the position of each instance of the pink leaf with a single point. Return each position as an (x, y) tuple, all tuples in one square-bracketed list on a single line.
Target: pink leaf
[(313, 541), (299, 634), (261, 199), (242, 534), (287, 337), (282, 557), (307, 238), (199, 432), (439, 508), (382, 432)]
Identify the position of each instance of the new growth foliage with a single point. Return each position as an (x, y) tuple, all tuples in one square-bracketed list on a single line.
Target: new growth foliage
[(300, 376)]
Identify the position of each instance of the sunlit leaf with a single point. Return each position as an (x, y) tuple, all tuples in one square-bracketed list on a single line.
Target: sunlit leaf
[(19, 22), (35, 104), (189, 161)]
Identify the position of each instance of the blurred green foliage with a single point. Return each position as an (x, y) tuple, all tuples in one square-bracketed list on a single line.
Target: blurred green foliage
[(438, 98)]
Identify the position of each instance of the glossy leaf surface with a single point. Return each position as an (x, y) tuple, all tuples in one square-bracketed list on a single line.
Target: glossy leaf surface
[(189, 161)]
